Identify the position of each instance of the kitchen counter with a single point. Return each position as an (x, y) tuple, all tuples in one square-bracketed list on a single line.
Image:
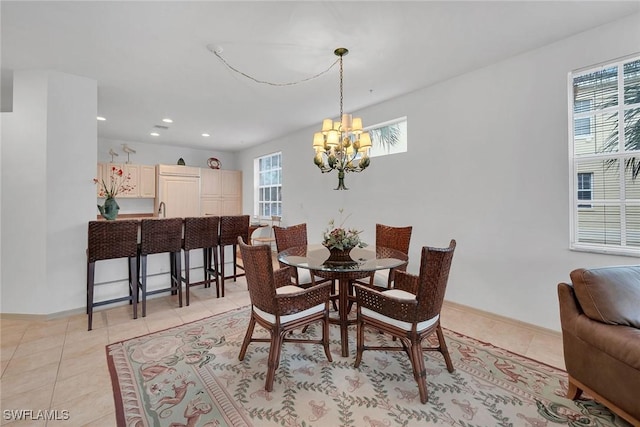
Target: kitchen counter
[(129, 216)]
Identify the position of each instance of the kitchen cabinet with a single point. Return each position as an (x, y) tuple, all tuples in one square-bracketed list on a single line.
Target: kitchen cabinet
[(221, 192), (177, 191), (147, 181), (142, 181), (211, 183), (231, 192)]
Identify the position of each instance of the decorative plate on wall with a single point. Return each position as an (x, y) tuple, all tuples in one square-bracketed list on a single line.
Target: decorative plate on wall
[(213, 163)]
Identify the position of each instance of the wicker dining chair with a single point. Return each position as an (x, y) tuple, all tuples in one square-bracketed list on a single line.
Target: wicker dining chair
[(290, 237), (398, 238), (112, 240), (201, 233), (409, 312), (280, 307), (387, 237)]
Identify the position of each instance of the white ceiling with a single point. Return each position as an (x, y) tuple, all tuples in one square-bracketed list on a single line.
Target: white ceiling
[(151, 61)]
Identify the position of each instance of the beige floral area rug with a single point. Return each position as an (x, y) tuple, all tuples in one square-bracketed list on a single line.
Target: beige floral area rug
[(190, 376)]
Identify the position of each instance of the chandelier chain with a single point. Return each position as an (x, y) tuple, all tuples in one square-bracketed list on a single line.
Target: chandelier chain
[(315, 76), (341, 97)]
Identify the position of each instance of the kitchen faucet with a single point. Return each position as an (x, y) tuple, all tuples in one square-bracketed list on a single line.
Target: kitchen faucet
[(162, 209)]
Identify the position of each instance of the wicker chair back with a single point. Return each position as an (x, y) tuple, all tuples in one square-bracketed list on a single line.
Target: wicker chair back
[(289, 237), (233, 226), (201, 232), (112, 239), (435, 264), (397, 238), (160, 235), (258, 269)]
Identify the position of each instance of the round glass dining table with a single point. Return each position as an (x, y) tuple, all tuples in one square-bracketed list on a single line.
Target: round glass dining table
[(364, 262)]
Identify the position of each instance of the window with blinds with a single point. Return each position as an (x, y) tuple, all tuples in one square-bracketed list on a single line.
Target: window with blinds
[(268, 185), (604, 109), (585, 179)]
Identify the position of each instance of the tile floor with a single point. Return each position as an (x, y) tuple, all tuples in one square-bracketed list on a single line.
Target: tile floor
[(59, 365)]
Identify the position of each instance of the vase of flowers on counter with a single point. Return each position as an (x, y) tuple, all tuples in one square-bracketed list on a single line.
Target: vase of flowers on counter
[(340, 240), (118, 183)]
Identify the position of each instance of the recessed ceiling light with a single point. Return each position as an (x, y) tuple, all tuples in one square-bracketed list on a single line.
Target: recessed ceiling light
[(167, 120), (154, 134), (205, 134), (102, 119)]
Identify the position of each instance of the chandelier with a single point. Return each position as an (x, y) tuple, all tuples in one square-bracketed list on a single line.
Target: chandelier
[(342, 145)]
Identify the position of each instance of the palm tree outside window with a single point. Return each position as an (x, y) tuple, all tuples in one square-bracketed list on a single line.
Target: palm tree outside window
[(388, 138)]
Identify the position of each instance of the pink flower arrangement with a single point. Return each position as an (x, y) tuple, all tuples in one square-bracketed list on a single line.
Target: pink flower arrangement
[(118, 183)]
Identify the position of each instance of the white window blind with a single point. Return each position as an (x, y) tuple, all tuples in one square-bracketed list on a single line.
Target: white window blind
[(268, 185), (604, 108)]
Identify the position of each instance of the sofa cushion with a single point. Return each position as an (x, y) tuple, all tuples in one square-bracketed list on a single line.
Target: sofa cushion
[(609, 294)]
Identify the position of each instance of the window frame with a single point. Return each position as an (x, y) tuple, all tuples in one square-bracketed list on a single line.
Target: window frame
[(258, 187), (622, 202)]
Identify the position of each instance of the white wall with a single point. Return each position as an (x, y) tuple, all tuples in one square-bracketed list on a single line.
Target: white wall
[(487, 165), (48, 152), (151, 153)]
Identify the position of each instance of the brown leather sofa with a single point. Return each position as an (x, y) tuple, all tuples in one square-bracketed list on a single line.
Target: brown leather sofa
[(600, 317)]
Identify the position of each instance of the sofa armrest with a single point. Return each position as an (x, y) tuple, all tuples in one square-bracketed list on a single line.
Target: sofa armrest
[(569, 308)]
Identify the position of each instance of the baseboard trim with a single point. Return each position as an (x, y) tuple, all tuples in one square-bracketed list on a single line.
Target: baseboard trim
[(450, 304), (42, 317), (504, 319)]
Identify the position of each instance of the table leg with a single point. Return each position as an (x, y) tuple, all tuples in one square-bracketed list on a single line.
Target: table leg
[(343, 299)]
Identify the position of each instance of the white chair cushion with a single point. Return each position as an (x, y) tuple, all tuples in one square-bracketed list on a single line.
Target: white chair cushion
[(406, 326), (381, 278), (304, 275), (288, 289)]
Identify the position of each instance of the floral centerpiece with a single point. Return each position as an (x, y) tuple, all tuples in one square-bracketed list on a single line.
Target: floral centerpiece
[(341, 239), (118, 183)]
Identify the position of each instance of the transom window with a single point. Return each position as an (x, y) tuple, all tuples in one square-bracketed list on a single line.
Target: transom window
[(268, 185), (604, 109)]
